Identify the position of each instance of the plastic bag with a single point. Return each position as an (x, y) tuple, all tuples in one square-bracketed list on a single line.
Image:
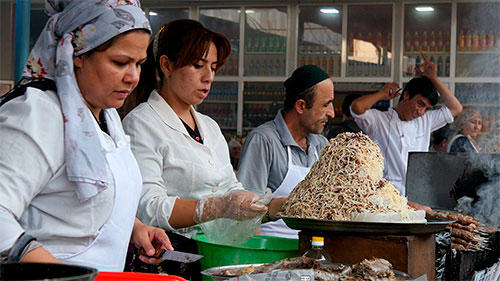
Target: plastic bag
[(229, 231)]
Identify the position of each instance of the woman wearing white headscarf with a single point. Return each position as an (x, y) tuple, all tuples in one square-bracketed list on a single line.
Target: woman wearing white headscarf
[(70, 185), (466, 128)]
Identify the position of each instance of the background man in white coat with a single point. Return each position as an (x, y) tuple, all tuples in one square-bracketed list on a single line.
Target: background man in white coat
[(408, 126), (278, 154)]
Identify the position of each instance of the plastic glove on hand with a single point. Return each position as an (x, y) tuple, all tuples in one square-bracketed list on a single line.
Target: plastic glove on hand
[(235, 204)]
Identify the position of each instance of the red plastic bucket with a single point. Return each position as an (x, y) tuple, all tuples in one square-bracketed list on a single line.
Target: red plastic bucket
[(124, 276)]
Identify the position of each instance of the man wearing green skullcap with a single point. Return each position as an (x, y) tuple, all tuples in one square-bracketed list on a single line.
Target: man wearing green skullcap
[(278, 154)]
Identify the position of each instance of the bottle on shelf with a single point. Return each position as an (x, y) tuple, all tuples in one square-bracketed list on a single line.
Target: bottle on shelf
[(468, 40), (324, 64), (475, 41), (483, 42), (302, 60), (417, 64), (432, 60), (331, 64), (389, 42), (249, 44), (317, 251), (408, 43), (439, 44), (461, 41), (256, 43), (378, 40), (432, 42), (263, 43), (425, 42), (339, 66), (351, 65), (416, 42), (351, 43), (439, 66), (369, 37), (491, 41)]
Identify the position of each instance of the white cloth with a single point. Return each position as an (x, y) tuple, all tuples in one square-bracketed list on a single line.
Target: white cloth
[(74, 28), (396, 137), (109, 249), (35, 193), (174, 165), (294, 176)]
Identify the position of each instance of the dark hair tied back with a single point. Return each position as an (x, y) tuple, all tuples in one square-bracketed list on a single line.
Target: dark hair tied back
[(184, 42)]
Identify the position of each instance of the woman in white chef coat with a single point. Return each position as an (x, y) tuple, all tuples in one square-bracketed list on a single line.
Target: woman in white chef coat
[(70, 185), (182, 153)]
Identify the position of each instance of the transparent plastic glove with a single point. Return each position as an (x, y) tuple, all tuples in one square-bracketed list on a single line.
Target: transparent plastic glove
[(230, 219), (234, 204)]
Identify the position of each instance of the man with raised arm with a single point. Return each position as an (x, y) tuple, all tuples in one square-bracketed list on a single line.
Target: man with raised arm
[(408, 126)]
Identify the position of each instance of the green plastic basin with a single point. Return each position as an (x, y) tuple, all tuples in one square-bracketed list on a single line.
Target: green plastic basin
[(259, 249)]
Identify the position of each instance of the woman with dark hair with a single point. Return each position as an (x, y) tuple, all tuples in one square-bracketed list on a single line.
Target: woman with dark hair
[(188, 180), (70, 185)]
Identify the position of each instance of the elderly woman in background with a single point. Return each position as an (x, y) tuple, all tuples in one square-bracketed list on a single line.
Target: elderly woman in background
[(234, 153), (465, 128), (70, 186)]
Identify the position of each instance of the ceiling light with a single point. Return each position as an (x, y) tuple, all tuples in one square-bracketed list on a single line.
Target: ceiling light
[(246, 12), (151, 13), (329, 11), (424, 9)]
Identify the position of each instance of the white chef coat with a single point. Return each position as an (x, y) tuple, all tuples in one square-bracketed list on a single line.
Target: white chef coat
[(35, 193), (174, 165), (396, 137)]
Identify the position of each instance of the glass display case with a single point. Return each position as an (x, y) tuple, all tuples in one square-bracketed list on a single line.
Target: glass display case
[(262, 100), (227, 22), (483, 97), (160, 16), (266, 31), (427, 30), (222, 105), (320, 38), (478, 40), (369, 43)]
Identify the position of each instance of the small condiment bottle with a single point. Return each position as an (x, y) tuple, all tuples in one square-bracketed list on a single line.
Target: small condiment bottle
[(317, 251)]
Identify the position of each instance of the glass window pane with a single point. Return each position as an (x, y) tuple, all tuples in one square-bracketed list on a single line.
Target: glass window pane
[(428, 31), (261, 102), (320, 38), (38, 19), (266, 34), (227, 22), (483, 97), (369, 41), (222, 105), (478, 40), (158, 16)]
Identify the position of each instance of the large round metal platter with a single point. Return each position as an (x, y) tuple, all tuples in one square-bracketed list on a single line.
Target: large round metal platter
[(215, 272), (432, 225)]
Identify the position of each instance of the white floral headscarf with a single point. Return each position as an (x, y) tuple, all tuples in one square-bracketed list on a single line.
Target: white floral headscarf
[(74, 28)]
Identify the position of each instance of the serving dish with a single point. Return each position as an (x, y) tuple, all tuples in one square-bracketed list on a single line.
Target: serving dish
[(432, 225)]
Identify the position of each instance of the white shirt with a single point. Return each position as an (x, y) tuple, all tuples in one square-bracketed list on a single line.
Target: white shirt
[(174, 165), (35, 193), (396, 137)]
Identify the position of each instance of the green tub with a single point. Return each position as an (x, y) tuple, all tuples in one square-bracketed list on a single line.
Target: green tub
[(259, 249)]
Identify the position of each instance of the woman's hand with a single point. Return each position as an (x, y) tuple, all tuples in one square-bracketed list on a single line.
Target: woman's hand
[(145, 236), (235, 204), (39, 255)]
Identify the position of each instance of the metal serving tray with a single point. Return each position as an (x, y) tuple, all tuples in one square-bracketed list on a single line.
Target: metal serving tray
[(214, 272), (432, 225)]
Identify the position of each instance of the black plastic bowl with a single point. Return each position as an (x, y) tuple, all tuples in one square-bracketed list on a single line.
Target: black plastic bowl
[(45, 271)]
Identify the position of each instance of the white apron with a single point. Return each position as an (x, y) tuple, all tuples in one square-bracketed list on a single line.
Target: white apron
[(109, 250), (293, 176)]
